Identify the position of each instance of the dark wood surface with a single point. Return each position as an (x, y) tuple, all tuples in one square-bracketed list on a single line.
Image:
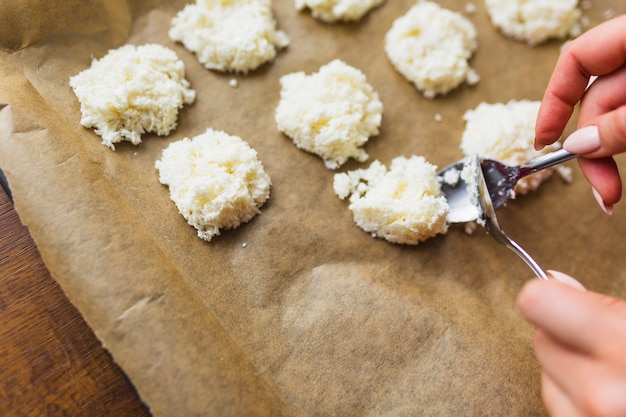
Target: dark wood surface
[(51, 363)]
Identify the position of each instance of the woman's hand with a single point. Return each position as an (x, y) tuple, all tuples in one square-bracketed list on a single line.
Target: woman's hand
[(601, 53), (581, 345)]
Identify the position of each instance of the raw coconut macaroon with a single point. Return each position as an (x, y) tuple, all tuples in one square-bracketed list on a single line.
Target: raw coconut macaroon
[(431, 46), (215, 180), (229, 35), (536, 21), (403, 204), (506, 132), (331, 11), (132, 90), (331, 113)]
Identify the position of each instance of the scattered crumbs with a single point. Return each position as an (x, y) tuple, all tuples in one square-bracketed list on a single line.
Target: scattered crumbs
[(472, 77), (233, 83), (584, 21), (452, 177), (470, 8), (565, 173), (608, 14), (585, 4), (470, 227), (438, 117), (244, 244)]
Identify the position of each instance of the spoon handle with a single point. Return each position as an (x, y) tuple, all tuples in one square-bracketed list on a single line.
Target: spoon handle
[(530, 261), (548, 160)]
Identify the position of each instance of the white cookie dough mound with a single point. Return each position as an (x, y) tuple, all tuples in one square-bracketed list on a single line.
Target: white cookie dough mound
[(229, 35), (215, 180), (430, 46), (331, 11), (506, 132), (402, 205), (331, 113), (131, 91), (535, 21)]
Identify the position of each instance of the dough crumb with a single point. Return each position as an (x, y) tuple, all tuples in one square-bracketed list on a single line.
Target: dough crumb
[(130, 91), (403, 204), (215, 180), (331, 113), (608, 14), (229, 35)]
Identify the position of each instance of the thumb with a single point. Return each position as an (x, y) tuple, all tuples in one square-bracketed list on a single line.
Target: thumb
[(612, 132), (598, 143), (606, 137)]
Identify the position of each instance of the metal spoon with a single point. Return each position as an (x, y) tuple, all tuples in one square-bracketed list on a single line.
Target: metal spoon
[(501, 180), (478, 191)]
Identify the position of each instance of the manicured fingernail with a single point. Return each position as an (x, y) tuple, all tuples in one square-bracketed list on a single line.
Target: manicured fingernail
[(539, 146), (566, 279), (583, 141), (605, 208)]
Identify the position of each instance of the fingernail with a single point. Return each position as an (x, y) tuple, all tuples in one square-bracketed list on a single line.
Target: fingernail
[(539, 146), (583, 141), (566, 279), (605, 208)]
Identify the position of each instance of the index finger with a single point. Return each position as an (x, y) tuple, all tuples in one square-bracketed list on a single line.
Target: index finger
[(597, 52)]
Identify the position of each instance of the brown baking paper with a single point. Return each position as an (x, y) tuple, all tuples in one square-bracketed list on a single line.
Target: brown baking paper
[(298, 312)]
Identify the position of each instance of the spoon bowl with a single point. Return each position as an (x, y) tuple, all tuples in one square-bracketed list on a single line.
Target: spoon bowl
[(454, 187), (499, 177)]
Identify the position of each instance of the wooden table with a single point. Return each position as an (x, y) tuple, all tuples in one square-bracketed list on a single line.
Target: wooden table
[(51, 364)]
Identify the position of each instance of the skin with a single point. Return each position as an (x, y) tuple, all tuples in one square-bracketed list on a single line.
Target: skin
[(580, 339), (599, 52), (580, 343)]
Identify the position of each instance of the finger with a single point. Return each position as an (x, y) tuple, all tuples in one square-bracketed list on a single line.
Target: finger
[(607, 58), (557, 403), (603, 96), (606, 136), (597, 165), (567, 368), (603, 106), (604, 177), (584, 383), (565, 89), (615, 304), (574, 318), (612, 130), (578, 61)]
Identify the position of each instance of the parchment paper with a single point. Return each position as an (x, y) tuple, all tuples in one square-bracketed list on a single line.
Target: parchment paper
[(298, 312)]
